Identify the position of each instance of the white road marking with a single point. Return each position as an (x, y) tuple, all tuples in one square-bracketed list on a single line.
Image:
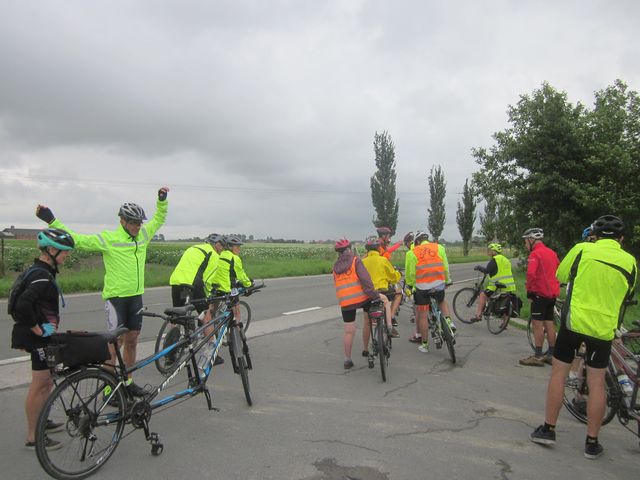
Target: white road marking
[(310, 309)]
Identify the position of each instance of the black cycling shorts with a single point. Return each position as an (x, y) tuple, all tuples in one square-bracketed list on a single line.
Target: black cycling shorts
[(349, 316), (390, 294), (123, 312), (38, 360), (542, 308), (568, 343), (422, 297)]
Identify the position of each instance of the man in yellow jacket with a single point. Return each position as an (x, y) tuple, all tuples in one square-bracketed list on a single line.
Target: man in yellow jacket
[(601, 277), (384, 276), (193, 276)]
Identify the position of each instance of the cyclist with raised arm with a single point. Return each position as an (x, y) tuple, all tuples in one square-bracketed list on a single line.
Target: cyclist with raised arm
[(384, 234), (354, 290), (37, 316), (498, 269), (428, 274), (124, 253), (384, 276), (542, 290), (193, 276), (601, 276)]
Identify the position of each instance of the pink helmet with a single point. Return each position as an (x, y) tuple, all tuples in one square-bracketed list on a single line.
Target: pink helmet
[(342, 244), (384, 231)]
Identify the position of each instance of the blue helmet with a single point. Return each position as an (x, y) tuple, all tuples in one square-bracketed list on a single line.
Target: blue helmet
[(56, 238), (587, 232)]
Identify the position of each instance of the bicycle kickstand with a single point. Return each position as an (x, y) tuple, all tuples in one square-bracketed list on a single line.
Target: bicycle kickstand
[(207, 395)]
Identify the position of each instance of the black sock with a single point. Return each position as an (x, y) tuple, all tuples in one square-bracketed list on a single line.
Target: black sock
[(592, 440), (551, 351), (538, 352), (549, 428)]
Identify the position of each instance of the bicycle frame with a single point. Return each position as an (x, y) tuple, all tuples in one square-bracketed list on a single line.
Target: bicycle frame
[(619, 362)]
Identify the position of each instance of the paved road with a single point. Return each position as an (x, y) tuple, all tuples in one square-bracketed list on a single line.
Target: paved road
[(313, 421)]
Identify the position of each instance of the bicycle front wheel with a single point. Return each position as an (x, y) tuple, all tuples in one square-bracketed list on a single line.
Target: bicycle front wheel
[(168, 335), (90, 412), (383, 349), (244, 314), (447, 336), (464, 304), (576, 395), (240, 361)]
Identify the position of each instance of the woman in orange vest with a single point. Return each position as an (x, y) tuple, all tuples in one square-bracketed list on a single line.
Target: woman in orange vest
[(354, 290)]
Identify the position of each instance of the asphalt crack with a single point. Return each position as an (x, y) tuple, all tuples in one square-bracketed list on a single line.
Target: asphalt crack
[(340, 442)]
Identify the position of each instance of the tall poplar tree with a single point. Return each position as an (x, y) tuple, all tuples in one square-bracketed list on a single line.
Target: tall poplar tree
[(437, 191), (383, 183), (466, 216)]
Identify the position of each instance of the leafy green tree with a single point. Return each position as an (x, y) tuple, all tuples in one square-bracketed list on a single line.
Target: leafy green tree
[(383, 183), (437, 192), (466, 216), (559, 166), (488, 221)]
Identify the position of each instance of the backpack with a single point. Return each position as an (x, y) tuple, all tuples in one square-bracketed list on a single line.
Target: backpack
[(20, 284)]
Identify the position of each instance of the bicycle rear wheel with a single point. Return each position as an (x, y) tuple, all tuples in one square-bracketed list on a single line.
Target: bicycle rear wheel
[(383, 350), (91, 411), (496, 324), (576, 395), (464, 304), (447, 336), (168, 335)]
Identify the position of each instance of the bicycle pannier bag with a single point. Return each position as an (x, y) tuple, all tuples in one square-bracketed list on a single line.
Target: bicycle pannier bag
[(77, 348)]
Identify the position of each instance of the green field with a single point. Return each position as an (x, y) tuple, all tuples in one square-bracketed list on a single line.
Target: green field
[(83, 271)]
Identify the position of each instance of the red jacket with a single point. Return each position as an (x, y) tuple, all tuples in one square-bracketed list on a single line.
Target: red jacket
[(541, 272)]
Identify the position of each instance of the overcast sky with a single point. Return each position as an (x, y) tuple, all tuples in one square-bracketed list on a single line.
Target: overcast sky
[(260, 115)]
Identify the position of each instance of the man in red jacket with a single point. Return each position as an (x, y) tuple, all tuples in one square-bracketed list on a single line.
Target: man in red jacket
[(542, 290)]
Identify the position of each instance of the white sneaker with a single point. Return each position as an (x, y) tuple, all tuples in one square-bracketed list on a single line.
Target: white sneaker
[(424, 348)]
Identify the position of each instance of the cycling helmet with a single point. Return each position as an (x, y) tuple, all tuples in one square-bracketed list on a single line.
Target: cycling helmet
[(233, 240), (372, 243), (132, 212), (56, 238), (608, 226), (408, 239), (383, 231), (535, 233), (420, 236), (342, 245), (587, 232), (214, 238), (496, 247)]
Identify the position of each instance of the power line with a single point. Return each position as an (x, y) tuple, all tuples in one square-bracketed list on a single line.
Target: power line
[(120, 183)]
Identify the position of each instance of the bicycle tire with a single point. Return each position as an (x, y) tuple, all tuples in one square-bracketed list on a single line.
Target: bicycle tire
[(240, 364), (245, 314), (495, 324), (382, 356), (168, 335), (90, 422), (447, 336), (576, 395), (464, 304)]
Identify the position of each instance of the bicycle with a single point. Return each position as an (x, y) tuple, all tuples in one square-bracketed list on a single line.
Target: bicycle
[(440, 329), (170, 333), (380, 341), (92, 404), (621, 402), (496, 312)]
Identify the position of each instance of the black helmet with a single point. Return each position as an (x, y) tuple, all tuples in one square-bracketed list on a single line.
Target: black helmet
[(56, 238), (214, 238), (232, 240), (372, 243), (408, 239), (132, 212), (608, 226)]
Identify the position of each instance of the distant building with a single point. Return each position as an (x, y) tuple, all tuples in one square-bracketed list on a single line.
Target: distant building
[(22, 233)]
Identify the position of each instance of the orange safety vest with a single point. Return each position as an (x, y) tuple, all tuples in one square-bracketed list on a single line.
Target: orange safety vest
[(348, 288), (429, 267)]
